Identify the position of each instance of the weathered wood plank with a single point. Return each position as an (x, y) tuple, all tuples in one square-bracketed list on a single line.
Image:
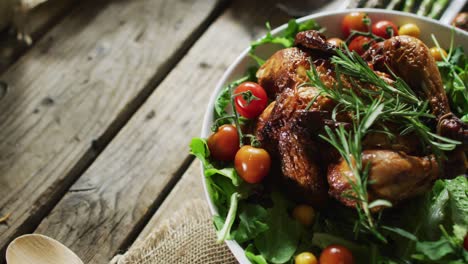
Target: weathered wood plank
[(189, 187), (76, 88), (129, 180), (37, 23)]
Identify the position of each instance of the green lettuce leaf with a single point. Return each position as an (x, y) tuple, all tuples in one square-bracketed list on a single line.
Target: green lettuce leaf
[(286, 39), (279, 244), (199, 148), (252, 222), (254, 257)]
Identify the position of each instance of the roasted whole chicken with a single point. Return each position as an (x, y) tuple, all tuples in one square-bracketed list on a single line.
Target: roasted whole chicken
[(311, 168)]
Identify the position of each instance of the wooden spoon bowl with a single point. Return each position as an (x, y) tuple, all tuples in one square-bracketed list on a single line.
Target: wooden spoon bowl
[(39, 249)]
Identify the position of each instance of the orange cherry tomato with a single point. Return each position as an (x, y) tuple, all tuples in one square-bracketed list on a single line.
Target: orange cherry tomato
[(336, 254), (337, 42), (252, 164), (360, 44), (304, 213), (438, 53), (224, 144), (354, 21)]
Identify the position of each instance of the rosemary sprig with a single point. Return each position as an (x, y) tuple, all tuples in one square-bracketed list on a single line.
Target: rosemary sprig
[(384, 102), (349, 145), (402, 104)]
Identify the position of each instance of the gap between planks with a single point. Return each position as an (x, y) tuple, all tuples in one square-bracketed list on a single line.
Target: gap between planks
[(58, 189), (38, 21), (189, 187), (132, 174)]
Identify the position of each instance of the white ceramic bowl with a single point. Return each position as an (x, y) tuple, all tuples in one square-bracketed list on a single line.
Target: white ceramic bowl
[(332, 22)]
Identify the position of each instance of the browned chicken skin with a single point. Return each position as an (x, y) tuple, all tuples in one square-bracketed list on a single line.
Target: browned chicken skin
[(410, 59), (315, 41), (285, 69), (281, 131), (393, 176), (290, 132)]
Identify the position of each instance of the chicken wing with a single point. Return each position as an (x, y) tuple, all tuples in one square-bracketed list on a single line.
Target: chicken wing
[(284, 69), (393, 176)]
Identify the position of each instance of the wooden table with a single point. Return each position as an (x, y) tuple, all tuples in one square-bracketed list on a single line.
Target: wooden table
[(96, 122)]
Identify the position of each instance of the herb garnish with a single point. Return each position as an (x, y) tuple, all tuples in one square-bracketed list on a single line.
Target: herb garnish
[(385, 102)]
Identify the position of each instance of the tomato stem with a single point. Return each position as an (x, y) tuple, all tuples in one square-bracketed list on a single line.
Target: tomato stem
[(248, 96), (236, 118), (365, 34), (215, 126), (253, 140), (366, 20)]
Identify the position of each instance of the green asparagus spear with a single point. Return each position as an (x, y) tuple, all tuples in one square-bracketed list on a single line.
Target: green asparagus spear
[(408, 5), (438, 8), (362, 3), (425, 7), (373, 3), (354, 3), (393, 4)]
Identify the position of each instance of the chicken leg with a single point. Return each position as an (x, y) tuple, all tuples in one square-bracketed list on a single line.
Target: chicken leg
[(410, 59)]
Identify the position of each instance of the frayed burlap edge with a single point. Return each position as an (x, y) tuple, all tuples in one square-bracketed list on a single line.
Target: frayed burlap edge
[(187, 237)]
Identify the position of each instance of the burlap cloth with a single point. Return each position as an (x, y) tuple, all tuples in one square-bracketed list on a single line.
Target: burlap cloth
[(187, 237)]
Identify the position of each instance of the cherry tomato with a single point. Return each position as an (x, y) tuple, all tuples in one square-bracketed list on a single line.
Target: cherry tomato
[(305, 214), (252, 164), (337, 42), (360, 44), (336, 254), (409, 30), (384, 29), (438, 53), (256, 106), (354, 21), (305, 258), (465, 242), (224, 144)]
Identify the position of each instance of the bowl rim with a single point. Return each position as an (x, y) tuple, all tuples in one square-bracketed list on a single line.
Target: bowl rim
[(233, 246)]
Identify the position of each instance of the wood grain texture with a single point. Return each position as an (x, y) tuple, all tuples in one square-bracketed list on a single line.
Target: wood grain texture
[(130, 179), (189, 187), (36, 25), (76, 88)]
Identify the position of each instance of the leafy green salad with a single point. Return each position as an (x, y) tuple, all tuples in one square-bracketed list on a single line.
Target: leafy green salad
[(255, 211)]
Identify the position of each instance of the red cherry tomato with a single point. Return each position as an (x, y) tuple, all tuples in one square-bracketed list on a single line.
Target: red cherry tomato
[(354, 21), (336, 254), (224, 144), (360, 44), (337, 42), (252, 164), (256, 105), (465, 242), (384, 28)]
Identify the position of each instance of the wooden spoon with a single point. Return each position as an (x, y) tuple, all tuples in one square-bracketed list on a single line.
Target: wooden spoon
[(39, 249)]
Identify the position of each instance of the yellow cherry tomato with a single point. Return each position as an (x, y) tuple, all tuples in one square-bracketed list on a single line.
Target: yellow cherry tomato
[(409, 29), (305, 214), (337, 42), (305, 258), (437, 53)]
